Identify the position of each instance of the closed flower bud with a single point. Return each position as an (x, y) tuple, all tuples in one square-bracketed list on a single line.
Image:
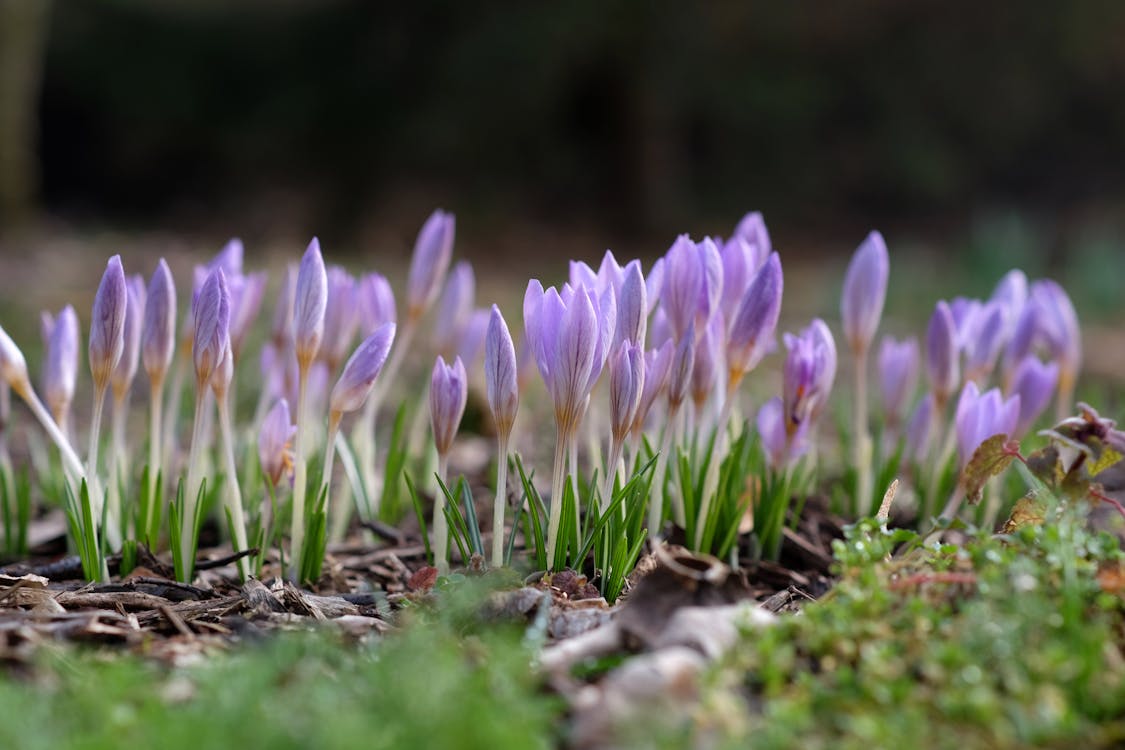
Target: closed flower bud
[(1058, 327), (341, 317), (107, 326), (920, 428), (211, 313), (705, 370), (309, 304), (865, 290), (281, 329), (683, 361), (455, 307), (984, 341), (13, 367), (942, 365), (632, 306), (752, 331), (741, 260), (782, 441), (752, 228), (432, 253), (898, 375), (126, 370), (246, 302), (1034, 382), (626, 383), (275, 443), (158, 332), (684, 285), (658, 365), (61, 371), (980, 417), (500, 374), (359, 374), (448, 394), (376, 302)]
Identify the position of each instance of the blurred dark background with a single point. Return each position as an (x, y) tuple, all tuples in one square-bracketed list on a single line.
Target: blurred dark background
[(990, 133)]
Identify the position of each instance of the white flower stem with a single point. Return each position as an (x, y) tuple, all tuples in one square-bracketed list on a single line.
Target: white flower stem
[(500, 503), (300, 477), (155, 439), (192, 486), (614, 459), (656, 495), (70, 459), (440, 524), (861, 438), (117, 468), (234, 491), (558, 477)]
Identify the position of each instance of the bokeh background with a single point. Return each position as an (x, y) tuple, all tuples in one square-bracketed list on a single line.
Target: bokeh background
[(976, 136)]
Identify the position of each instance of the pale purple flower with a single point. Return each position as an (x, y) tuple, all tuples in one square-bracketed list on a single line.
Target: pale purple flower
[(654, 285), (1034, 382), (942, 364), (341, 317), (808, 374), (981, 416), (1011, 292), (376, 301), (211, 313), (158, 332), (61, 371), (471, 345), (358, 377), (223, 374), (658, 366), (919, 430), (13, 366), (608, 276), (626, 384), (632, 306), (281, 331), (433, 251), (500, 373), (570, 335), (865, 291), (1022, 341), (898, 375), (741, 260), (126, 370), (246, 292), (679, 375), (1058, 327), (752, 228), (107, 324), (964, 311), (448, 393), (708, 360), (985, 340), (693, 284), (275, 442), (752, 330), (310, 301), (455, 307), (783, 442)]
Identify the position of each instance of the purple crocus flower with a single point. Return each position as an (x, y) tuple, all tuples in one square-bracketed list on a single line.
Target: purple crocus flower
[(942, 365), (107, 326), (741, 260), (782, 441), (679, 374), (865, 291), (658, 365), (358, 377), (752, 228), (1011, 292), (654, 285), (964, 311), (608, 276), (281, 330), (310, 302), (61, 372), (376, 301), (919, 430), (1021, 343), (898, 375), (632, 306), (13, 366), (341, 317), (808, 375), (275, 443), (455, 307), (1034, 382), (984, 340), (433, 251), (751, 333), (569, 334), (980, 416), (211, 313), (626, 383), (1058, 328), (158, 332), (448, 393), (500, 373), (471, 345), (693, 282), (705, 370), (126, 370), (246, 292)]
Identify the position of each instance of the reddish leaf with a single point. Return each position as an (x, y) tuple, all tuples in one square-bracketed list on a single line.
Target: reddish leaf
[(989, 460)]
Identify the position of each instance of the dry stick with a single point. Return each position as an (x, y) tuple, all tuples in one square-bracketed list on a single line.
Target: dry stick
[(234, 491)]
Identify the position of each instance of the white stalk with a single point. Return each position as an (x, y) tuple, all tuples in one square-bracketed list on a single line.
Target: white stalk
[(441, 526), (500, 503), (234, 491)]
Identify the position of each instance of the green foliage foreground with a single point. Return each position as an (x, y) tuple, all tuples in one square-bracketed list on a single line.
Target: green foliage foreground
[(1002, 641)]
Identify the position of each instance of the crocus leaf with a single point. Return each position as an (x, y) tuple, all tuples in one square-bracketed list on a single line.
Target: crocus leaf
[(989, 460)]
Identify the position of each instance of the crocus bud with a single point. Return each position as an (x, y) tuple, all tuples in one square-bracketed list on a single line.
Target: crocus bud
[(683, 361), (1021, 343), (471, 344), (658, 365), (1011, 292), (919, 430), (448, 394), (432, 253), (783, 441), (246, 301), (359, 374), (898, 375), (684, 285), (455, 307), (865, 291), (223, 374), (741, 260), (158, 333), (654, 284), (942, 366), (126, 370), (309, 304), (275, 442), (281, 330), (964, 311), (752, 228), (341, 317), (376, 302), (979, 417), (107, 326), (61, 372), (626, 383), (984, 341), (632, 306), (710, 295), (705, 369), (752, 330), (211, 313), (1058, 326), (13, 367), (500, 374), (46, 325), (1034, 382)]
